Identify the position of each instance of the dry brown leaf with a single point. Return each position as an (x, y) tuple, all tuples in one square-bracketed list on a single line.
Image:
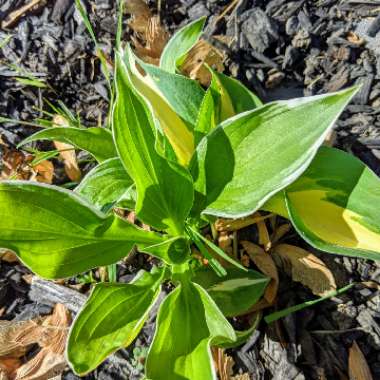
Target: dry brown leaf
[(14, 165), (8, 256), (49, 333), (8, 366), (265, 263), (150, 36), (202, 53), (140, 12), (67, 152), (17, 165), (18, 336), (358, 368), (305, 268), (43, 172)]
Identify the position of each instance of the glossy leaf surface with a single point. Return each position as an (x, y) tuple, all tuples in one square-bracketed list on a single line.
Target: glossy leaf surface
[(231, 97), (106, 184), (188, 322), (164, 189), (250, 157), (333, 205), (111, 319), (180, 44), (58, 234), (183, 94), (234, 293), (178, 133), (96, 141)]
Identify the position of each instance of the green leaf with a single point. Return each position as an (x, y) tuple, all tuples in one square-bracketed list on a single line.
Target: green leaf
[(292, 309), (231, 96), (250, 157), (183, 94), (235, 293), (182, 41), (58, 234), (179, 134), (97, 141), (333, 205), (216, 266), (206, 119), (243, 336), (217, 249), (188, 322), (111, 319), (106, 184), (172, 251), (31, 82), (164, 188)]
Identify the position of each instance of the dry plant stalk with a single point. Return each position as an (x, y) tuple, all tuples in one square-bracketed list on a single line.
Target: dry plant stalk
[(237, 224), (14, 16), (223, 363)]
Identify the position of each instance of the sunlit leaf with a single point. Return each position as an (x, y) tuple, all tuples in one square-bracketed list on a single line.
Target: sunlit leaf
[(188, 322), (57, 234), (333, 205), (234, 293), (106, 184), (97, 141), (164, 188), (248, 158), (182, 41), (111, 319)]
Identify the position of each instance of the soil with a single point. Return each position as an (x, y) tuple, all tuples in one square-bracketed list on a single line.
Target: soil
[(280, 49)]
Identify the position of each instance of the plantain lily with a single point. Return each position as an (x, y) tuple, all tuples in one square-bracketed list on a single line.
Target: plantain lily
[(179, 155)]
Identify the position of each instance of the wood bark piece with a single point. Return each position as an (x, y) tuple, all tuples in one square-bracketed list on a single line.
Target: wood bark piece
[(49, 293)]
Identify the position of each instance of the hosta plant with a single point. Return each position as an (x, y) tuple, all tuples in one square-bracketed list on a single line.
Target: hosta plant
[(179, 156)]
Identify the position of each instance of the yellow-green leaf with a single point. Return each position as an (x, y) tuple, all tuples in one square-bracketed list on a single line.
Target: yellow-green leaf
[(251, 156), (333, 205), (188, 322), (164, 188), (178, 133)]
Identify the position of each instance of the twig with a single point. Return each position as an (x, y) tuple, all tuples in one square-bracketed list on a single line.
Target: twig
[(18, 13), (232, 5)]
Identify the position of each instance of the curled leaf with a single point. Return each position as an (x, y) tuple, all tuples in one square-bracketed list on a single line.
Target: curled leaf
[(306, 268), (17, 338), (198, 57), (266, 264), (67, 152)]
